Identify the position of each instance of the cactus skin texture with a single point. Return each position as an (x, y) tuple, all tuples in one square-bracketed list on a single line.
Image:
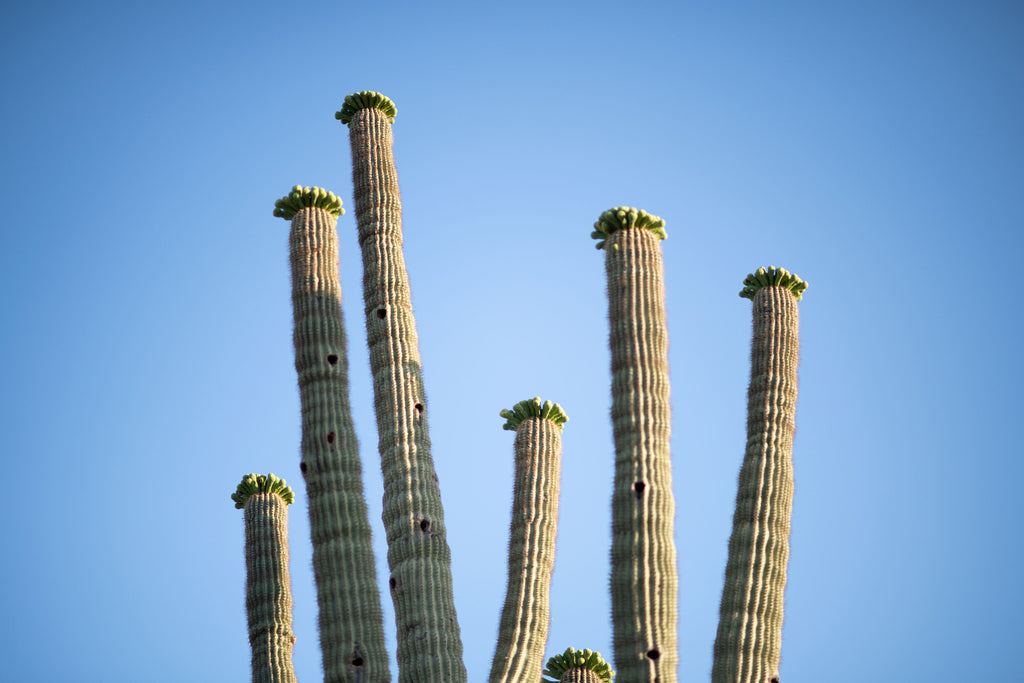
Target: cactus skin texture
[(747, 647), (644, 580), (523, 629), (268, 589), (429, 643), (350, 617)]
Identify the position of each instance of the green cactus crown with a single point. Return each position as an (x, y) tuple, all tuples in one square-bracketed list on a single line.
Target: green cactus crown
[(532, 407), (301, 197), (771, 275), (365, 100), (570, 659), (262, 483), (624, 217)]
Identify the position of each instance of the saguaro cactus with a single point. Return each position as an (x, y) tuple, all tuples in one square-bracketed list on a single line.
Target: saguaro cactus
[(644, 581), (749, 638), (429, 644), (523, 629), (350, 616), (268, 587)]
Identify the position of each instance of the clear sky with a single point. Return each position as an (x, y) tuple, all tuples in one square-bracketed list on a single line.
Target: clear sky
[(875, 148)]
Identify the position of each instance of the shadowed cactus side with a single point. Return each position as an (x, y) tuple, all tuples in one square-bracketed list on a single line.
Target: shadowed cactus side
[(350, 616), (748, 643), (644, 580), (523, 627), (429, 642), (268, 586)]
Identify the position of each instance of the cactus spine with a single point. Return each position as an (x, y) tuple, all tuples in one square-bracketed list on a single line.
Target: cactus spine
[(747, 646), (429, 644), (523, 629), (350, 616), (644, 581), (268, 588)]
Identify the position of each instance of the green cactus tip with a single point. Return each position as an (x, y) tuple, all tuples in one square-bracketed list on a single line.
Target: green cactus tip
[(533, 407), (301, 197), (262, 483), (571, 658), (624, 217), (780, 277), (365, 100)]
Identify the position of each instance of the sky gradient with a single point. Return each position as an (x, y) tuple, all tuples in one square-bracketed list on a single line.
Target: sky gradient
[(876, 150)]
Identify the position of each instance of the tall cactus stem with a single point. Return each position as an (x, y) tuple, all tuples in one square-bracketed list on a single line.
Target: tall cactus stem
[(350, 615), (523, 628), (268, 592), (644, 580), (429, 644), (747, 646)]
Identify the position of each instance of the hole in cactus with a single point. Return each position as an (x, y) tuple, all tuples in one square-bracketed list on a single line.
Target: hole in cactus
[(330, 437), (424, 525), (775, 679), (382, 312), (419, 409), (653, 654), (392, 583), (302, 467), (332, 359), (638, 489), (357, 661)]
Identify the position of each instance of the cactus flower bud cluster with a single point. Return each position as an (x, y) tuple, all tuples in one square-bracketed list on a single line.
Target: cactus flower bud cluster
[(262, 483), (779, 277), (572, 658), (623, 218), (366, 99), (532, 407)]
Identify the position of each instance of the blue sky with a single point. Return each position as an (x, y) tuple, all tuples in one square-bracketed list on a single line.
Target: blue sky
[(877, 150)]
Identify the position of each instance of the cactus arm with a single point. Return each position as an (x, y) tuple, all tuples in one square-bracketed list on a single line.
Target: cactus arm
[(523, 628), (644, 579), (419, 558), (350, 616), (747, 646), (268, 590)]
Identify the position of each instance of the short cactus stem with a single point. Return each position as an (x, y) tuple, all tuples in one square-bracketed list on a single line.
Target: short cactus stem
[(350, 615), (578, 666), (748, 643), (268, 592), (644, 579), (523, 628), (429, 642)]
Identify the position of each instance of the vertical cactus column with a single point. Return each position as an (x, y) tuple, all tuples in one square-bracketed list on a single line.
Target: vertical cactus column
[(644, 579), (523, 628), (749, 639), (268, 587), (429, 644), (578, 666), (350, 616)]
